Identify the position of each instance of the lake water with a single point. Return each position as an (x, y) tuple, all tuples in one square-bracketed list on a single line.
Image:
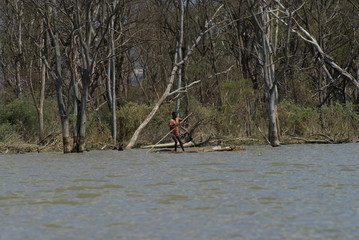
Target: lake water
[(290, 192)]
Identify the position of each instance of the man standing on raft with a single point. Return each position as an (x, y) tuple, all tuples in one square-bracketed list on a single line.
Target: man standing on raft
[(174, 122)]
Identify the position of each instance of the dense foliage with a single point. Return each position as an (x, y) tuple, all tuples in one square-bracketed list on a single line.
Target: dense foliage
[(64, 62)]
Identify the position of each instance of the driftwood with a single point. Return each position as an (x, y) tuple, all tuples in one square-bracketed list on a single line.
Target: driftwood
[(312, 140), (201, 150), (322, 139)]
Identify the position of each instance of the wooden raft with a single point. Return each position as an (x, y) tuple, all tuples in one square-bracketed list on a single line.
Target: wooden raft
[(199, 150), (168, 145)]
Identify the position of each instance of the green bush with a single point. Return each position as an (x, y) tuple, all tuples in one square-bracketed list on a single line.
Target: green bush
[(339, 119), (130, 116), (8, 132), (20, 117), (51, 115), (21, 114), (333, 120), (241, 110), (296, 120)]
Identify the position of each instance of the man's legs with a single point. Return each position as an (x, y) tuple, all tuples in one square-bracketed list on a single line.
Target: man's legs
[(175, 139), (180, 142)]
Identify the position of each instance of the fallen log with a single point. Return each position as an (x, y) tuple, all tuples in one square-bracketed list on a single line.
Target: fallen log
[(322, 141)]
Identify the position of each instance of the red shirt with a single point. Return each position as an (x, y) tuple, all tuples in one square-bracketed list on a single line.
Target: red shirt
[(174, 122)]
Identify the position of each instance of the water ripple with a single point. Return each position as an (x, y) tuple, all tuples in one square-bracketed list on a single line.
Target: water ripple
[(291, 192)]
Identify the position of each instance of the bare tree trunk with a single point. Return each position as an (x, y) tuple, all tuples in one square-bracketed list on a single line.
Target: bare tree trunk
[(40, 107), (171, 81), (273, 119), (179, 50), (92, 24), (266, 54), (81, 117), (65, 123), (272, 92), (41, 102), (154, 110), (19, 14), (49, 12), (212, 57), (112, 80)]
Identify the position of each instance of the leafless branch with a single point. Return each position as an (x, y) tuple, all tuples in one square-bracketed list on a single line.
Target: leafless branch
[(185, 88)]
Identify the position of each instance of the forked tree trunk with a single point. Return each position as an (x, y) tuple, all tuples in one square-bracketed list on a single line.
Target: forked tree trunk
[(80, 142), (265, 56), (65, 123), (271, 90), (56, 71), (57, 76), (90, 37)]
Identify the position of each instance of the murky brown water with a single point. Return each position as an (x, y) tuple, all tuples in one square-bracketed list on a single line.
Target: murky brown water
[(291, 192)]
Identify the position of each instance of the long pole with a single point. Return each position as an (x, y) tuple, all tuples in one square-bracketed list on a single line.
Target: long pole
[(170, 132)]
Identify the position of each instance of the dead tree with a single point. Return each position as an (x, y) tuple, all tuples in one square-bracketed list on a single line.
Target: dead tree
[(91, 24), (309, 38), (50, 15), (174, 71), (266, 50)]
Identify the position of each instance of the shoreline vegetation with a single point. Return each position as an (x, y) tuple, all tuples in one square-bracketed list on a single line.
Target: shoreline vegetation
[(208, 126), (250, 72), (229, 125), (226, 125), (11, 148)]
